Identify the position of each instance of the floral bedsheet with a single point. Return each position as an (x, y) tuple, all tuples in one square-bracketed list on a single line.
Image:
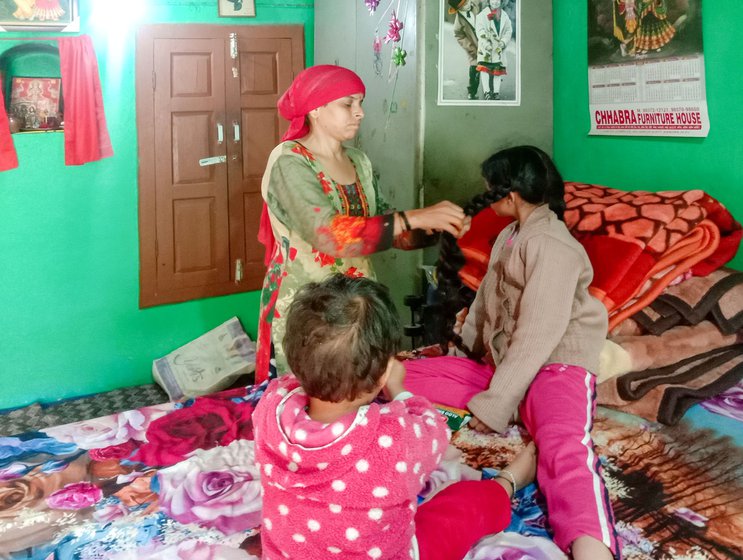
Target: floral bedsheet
[(169, 481), (178, 481)]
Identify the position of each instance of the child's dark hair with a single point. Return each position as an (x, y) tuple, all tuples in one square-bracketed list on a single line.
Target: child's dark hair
[(340, 335), (526, 170)]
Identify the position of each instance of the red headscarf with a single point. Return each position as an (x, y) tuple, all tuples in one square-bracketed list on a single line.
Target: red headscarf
[(313, 87)]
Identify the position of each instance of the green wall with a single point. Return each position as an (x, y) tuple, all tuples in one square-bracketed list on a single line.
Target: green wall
[(713, 164), (69, 272)]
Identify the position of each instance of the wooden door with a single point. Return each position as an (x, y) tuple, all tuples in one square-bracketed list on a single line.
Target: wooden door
[(260, 79), (192, 227), (207, 120)]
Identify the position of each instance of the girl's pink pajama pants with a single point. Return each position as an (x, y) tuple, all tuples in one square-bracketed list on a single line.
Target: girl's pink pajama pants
[(558, 413)]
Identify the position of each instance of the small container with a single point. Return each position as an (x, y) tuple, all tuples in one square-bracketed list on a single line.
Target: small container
[(14, 123)]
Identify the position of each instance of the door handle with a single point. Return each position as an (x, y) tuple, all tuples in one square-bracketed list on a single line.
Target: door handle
[(203, 162), (238, 271), (220, 133), (236, 131)]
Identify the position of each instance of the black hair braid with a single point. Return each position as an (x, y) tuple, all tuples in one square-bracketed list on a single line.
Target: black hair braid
[(557, 205), (451, 293), (554, 190)]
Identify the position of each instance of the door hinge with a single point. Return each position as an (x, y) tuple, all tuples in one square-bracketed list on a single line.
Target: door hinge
[(233, 46), (238, 271)]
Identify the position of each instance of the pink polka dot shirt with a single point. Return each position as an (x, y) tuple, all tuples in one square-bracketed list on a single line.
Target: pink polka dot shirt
[(348, 489)]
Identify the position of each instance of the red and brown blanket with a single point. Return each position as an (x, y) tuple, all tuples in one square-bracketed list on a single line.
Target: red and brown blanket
[(638, 242)]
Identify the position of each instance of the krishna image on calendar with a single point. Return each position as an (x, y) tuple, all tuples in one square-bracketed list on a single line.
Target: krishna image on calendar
[(646, 74), (625, 30)]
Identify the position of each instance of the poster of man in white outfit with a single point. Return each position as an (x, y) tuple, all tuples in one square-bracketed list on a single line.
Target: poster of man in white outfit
[(479, 52)]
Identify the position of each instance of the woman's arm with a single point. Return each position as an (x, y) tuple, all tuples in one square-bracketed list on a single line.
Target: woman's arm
[(420, 227), (300, 200), (425, 223)]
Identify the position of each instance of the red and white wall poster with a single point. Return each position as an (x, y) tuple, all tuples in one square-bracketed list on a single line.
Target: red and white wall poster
[(646, 68)]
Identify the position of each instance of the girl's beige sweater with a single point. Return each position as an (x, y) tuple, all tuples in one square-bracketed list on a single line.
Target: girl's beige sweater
[(532, 308)]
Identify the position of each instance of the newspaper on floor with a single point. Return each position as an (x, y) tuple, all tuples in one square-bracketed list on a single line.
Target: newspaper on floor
[(209, 363)]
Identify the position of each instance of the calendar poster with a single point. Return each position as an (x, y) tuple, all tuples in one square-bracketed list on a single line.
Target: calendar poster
[(646, 68)]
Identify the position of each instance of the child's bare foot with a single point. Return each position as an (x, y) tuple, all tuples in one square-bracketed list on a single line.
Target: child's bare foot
[(523, 468)]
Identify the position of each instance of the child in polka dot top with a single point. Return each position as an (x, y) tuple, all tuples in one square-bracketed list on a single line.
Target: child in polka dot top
[(341, 471)]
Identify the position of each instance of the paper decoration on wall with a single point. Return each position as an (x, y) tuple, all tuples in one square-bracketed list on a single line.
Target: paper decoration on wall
[(392, 19), (395, 31), (646, 68), (377, 48)]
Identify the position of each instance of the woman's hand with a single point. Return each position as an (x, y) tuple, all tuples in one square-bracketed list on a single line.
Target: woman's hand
[(479, 426), (444, 216), (467, 225)]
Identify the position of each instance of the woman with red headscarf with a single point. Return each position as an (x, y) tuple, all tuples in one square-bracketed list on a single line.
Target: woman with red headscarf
[(323, 212)]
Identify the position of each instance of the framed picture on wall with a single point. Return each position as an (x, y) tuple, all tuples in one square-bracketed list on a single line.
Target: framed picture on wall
[(39, 15), (236, 8), (35, 102), (646, 72), (479, 52)]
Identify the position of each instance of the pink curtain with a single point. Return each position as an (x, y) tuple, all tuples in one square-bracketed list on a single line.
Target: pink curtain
[(8, 157), (86, 134)]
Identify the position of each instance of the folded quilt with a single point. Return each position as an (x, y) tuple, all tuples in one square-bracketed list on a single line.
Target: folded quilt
[(650, 351), (640, 242), (717, 297), (663, 394)]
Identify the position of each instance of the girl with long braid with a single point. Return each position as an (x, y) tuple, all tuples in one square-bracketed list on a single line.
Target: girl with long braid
[(529, 343)]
